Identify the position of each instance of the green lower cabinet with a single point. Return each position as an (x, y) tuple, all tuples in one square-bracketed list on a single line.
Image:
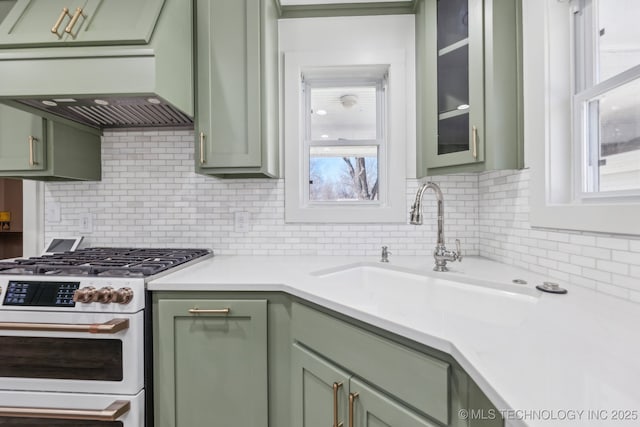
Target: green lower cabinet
[(211, 363), (371, 408), (326, 395), (35, 148), (319, 390)]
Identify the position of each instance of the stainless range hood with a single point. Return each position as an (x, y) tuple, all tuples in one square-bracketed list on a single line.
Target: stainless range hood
[(105, 64)]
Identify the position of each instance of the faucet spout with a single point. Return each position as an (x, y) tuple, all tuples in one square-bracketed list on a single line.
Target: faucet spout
[(440, 253)]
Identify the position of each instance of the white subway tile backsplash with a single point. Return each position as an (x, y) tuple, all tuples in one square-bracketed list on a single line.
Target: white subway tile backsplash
[(609, 264), (150, 196)]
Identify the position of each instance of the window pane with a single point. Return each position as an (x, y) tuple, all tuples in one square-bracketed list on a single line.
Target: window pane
[(344, 113), (619, 36), (619, 140), (343, 173)]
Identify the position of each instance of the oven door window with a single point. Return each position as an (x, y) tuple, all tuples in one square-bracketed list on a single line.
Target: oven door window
[(61, 358)]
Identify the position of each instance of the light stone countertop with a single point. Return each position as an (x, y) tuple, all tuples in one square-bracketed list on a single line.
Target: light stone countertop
[(547, 360)]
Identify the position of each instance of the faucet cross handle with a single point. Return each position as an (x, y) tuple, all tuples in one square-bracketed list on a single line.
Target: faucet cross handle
[(385, 254)]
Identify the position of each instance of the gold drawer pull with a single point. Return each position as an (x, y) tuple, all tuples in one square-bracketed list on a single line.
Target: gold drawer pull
[(352, 401), (111, 327), (75, 18), (110, 413), (32, 160), (196, 310), (336, 388), (203, 160), (474, 142), (65, 12)]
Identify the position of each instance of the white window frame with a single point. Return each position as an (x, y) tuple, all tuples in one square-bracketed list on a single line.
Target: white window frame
[(550, 153), (585, 121), (380, 141), (391, 208)]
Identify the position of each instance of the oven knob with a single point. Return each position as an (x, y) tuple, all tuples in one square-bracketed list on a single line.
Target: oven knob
[(105, 295), (85, 295), (123, 296)]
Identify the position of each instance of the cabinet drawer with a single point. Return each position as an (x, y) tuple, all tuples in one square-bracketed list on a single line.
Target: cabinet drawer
[(419, 380), (37, 23)]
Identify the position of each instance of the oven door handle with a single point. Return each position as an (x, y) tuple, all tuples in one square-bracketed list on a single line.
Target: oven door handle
[(110, 413), (111, 327)]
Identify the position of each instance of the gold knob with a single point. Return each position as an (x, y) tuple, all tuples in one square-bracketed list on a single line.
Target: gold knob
[(85, 295), (105, 295), (123, 296)]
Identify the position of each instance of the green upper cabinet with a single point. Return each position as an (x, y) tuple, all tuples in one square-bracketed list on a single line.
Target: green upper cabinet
[(34, 23), (469, 84), (35, 148), (236, 88), (22, 141), (210, 363)]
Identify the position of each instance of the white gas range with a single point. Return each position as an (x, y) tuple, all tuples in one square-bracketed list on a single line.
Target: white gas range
[(75, 336)]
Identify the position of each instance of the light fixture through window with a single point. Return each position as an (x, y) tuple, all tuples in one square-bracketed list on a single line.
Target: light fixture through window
[(348, 101)]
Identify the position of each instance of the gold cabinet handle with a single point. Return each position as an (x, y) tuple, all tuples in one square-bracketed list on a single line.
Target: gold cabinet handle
[(196, 310), (65, 12), (203, 160), (336, 388), (474, 142), (110, 413), (75, 18), (111, 327), (32, 160), (352, 401)]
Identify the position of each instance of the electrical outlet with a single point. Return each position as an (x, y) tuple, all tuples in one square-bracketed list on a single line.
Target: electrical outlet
[(86, 223), (52, 212), (241, 222)]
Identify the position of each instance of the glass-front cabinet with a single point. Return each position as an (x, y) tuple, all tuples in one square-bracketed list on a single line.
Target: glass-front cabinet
[(469, 113), (459, 82)]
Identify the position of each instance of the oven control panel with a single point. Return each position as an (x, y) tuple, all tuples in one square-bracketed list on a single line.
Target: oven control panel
[(40, 294)]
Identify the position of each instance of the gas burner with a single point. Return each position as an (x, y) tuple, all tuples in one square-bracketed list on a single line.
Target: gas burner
[(105, 262)]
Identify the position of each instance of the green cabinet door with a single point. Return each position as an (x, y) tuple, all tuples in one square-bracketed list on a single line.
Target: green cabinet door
[(319, 390), (370, 408), (34, 23), (22, 140), (470, 95), (35, 148), (236, 117), (210, 363)]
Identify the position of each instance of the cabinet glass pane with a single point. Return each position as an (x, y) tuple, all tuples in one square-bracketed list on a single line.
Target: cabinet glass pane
[(453, 134), (453, 21), (453, 80)]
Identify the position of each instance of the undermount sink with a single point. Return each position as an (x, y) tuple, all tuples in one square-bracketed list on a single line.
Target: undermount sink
[(376, 288)]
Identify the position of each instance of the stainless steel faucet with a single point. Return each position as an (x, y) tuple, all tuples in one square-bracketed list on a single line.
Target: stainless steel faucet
[(440, 253)]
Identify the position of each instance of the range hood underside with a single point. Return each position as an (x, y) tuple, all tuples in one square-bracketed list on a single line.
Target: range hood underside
[(114, 112)]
